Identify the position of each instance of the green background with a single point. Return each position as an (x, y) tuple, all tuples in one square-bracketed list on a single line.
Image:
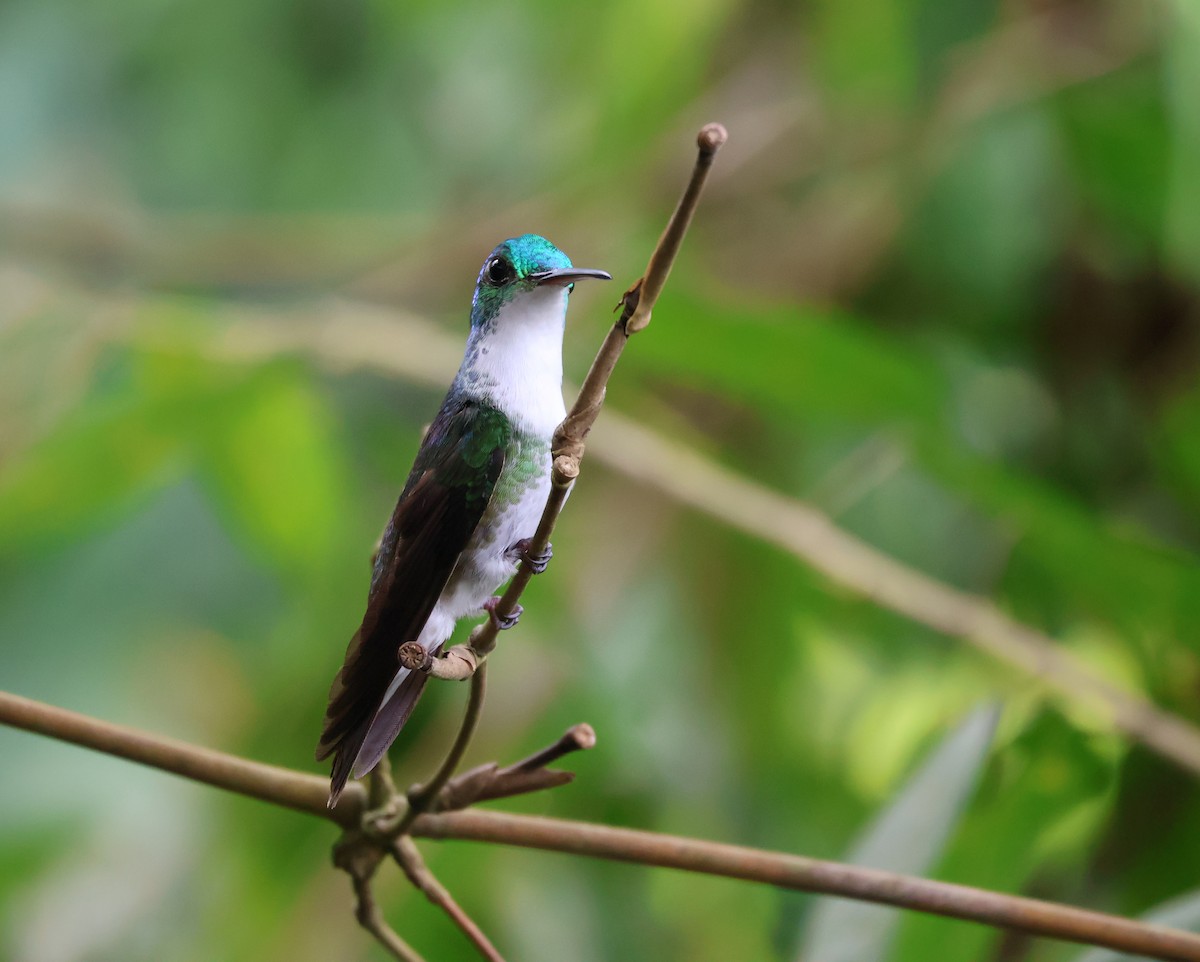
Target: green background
[(944, 285)]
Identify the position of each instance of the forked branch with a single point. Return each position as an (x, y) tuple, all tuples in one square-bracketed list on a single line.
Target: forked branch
[(468, 661), (306, 793)]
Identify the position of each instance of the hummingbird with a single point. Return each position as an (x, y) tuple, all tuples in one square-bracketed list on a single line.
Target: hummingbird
[(471, 504)]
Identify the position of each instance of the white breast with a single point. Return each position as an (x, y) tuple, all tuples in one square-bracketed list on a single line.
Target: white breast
[(519, 361)]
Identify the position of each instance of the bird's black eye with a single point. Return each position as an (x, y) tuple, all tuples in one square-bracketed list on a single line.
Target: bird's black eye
[(498, 271)]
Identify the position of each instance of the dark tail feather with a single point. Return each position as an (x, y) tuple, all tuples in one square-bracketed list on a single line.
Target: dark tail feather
[(361, 749), (388, 721), (343, 759)]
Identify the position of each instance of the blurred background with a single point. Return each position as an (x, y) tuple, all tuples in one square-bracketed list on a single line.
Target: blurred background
[(944, 286)]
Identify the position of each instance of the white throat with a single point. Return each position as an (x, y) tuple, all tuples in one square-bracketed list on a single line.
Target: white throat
[(517, 363)]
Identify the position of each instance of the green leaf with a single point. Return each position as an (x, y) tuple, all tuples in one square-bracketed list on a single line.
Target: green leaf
[(907, 837)]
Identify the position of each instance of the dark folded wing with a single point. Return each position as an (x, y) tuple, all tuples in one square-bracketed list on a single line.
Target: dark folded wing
[(441, 505)]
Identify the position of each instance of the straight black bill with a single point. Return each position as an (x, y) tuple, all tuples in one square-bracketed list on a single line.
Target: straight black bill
[(563, 276)]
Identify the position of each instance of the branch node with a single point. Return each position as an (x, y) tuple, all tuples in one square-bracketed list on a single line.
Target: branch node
[(488, 782), (570, 437), (566, 469), (414, 657), (355, 855), (455, 664)]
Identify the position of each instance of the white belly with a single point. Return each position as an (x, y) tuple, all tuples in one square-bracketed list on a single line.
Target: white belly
[(484, 566), (488, 561)]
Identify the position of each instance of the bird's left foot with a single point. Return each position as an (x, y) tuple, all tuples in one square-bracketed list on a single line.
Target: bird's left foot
[(502, 624), (537, 562)]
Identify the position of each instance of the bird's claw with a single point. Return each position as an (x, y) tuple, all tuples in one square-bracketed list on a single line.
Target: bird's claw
[(502, 624), (537, 562)]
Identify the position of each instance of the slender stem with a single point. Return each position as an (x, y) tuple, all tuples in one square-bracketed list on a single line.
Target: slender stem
[(408, 857), (569, 443), (381, 788), (369, 916), (421, 798), (490, 781), (577, 738), (306, 793), (709, 141), (279, 786), (571, 437), (814, 875)]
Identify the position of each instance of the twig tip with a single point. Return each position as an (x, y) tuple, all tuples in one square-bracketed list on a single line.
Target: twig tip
[(583, 735), (711, 137)]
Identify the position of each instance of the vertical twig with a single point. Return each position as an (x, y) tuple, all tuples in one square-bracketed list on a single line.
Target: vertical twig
[(568, 447), (421, 797), (284, 788), (408, 857), (358, 858), (366, 910), (571, 436)]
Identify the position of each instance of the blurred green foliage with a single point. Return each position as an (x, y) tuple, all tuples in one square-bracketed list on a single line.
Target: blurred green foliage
[(945, 285)]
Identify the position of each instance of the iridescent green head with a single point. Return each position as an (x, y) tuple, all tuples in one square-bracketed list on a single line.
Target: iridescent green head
[(520, 265)]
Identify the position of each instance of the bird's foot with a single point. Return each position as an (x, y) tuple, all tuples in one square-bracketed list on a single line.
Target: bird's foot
[(537, 562), (502, 624)]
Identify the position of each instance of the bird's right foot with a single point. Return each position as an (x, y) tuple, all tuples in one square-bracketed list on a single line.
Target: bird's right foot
[(537, 562), (502, 624)]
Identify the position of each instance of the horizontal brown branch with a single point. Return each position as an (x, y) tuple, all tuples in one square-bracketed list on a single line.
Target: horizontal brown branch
[(269, 783), (1034, 916), (307, 793)]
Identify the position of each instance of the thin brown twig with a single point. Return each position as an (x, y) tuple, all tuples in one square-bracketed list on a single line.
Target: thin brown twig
[(409, 858), (386, 824), (307, 793), (815, 875), (577, 738), (279, 786), (357, 857), (422, 797), (567, 452), (381, 787), (489, 782), (369, 916), (571, 437)]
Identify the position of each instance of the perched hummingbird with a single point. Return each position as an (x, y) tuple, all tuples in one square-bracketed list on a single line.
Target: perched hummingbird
[(471, 504)]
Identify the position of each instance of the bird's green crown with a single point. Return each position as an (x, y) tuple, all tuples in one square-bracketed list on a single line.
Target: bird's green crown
[(509, 270)]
